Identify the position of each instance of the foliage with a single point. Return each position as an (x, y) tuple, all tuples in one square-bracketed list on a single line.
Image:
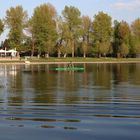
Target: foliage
[(116, 37), (43, 25), (136, 27), (124, 50), (63, 43), (72, 21), (1, 26), (85, 33), (102, 30), (135, 45), (71, 34), (16, 18), (135, 38), (124, 32), (121, 38)]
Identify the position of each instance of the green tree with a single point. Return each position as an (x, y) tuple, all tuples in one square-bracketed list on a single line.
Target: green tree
[(16, 19), (136, 27), (124, 49), (124, 38), (85, 32), (135, 45), (63, 43), (1, 26), (43, 24), (135, 37), (29, 41), (121, 38), (72, 18), (102, 30), (116, 38)]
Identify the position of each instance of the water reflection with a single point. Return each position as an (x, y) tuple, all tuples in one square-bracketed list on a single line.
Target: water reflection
[(100, 97)]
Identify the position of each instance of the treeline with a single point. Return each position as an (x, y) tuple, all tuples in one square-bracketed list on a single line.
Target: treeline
[(46, 33)]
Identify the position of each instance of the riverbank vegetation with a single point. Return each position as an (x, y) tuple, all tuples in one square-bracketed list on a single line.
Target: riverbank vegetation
[(47, 34)]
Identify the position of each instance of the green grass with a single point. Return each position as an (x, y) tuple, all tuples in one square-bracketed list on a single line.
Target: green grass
[(80, 59), (69, 59)]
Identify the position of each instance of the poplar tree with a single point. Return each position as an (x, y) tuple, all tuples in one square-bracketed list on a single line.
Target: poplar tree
[(1, 27), (85, 32), (16, 18), (102, 30), (72, 18), (63, 43), (124, 38), (135, 37), (43, 24)]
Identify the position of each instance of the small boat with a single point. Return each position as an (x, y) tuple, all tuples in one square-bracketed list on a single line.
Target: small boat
[(68, 69)]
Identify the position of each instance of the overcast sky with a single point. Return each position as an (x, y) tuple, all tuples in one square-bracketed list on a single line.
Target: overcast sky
[(127, 10)]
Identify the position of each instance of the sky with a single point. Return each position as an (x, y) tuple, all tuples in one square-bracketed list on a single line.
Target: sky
[(127, 10)]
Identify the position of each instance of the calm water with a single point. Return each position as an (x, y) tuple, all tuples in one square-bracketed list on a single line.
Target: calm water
[(100, 103)]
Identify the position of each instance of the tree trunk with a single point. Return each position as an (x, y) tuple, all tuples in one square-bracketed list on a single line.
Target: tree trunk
[(99, 55), (84, 55), (38, 56), (72, 45), (104, 55), (118, 55), (59, 53), (33, 48), (65, 55), (47, 55)]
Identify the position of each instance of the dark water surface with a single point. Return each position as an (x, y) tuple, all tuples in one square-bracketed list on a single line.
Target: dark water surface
[(100, 103)]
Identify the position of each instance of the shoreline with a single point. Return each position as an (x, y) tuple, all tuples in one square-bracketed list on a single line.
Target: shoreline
[(37, 62)]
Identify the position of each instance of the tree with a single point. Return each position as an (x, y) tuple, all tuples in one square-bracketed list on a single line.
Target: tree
[(73, 20), (116, 37), (121, 38), (6, 44), (124, 50), (135, 45), (102, 30), (43, 24), (135, 37), (1, 26), (85, 33), (124, 38), (16, 18), (136, 27), (124, 32), (63, 42), (29, 41)]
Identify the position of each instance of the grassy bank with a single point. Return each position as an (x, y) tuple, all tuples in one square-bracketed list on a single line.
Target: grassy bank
[(85, 60), (67, 60)]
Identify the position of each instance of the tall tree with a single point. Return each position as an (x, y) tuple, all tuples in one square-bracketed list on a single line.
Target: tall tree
[(135, 37), (134, 45), (1, 26), (121, 38), (124, 38), (63, 42), (72, 17), (102, 29), (43, 24), (136, 27), (116, 38), (85, 32), (16, 18)]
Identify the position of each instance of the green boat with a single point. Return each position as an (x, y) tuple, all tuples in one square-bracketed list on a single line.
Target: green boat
[(68, 69)]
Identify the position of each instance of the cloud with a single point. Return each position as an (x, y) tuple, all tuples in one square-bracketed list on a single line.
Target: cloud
[(129, 5)]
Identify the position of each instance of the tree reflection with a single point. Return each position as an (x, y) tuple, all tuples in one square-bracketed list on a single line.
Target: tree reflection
[(102, 76), (38, 84)]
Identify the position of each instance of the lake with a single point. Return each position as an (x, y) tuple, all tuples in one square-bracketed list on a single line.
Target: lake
[(100, 103)]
